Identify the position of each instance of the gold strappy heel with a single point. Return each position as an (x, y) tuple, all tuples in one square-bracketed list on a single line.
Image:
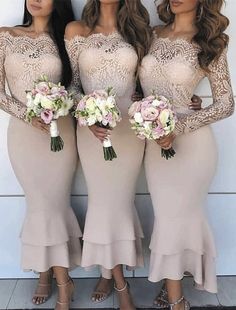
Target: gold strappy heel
[(66, 305), (43, 287)]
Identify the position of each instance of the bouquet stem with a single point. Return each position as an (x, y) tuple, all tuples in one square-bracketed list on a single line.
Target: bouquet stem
[(108, 151), (57, 143), (167, 154)]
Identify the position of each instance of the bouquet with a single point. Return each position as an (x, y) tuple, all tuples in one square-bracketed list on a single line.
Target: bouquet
[(49, 101), (99, 108), (152, 118)]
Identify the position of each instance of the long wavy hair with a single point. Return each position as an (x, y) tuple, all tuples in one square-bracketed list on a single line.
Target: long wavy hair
[(132, 23), (61, 15), (211, 24)]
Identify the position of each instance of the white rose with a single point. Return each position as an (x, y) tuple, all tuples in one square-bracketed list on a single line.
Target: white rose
[(69, 102), (92, 120), (164, 116), (90, 104), (156, 103), (110, 102), (47, 103), (138, 117), (38, 98)]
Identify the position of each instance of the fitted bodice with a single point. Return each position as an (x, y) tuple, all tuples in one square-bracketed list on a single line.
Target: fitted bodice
[(22, 61), (171, 68), (101, 61)]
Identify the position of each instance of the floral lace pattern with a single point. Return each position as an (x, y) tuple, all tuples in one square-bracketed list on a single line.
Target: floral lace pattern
[(23, 60), (101, 61), (171, 69)]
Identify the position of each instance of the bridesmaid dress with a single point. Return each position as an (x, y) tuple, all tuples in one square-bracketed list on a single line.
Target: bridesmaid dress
[(182, 240), (50, 233), (112, 233)]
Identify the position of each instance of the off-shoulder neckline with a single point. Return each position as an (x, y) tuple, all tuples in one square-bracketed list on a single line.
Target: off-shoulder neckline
[(177, 39), (99, 34), (40, 36)]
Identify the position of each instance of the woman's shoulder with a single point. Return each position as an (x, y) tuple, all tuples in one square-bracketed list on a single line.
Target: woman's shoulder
[(76, 28), (6, 31), (158, 29)]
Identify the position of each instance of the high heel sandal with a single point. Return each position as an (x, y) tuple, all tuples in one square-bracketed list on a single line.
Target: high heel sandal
[(181, 300), (101, 293), (125, 289), (43, 287), (161, 301), (66, 305)]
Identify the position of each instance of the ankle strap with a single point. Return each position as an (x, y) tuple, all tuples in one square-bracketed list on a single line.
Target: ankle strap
[(122, 289), (176, 303), (65, 284)]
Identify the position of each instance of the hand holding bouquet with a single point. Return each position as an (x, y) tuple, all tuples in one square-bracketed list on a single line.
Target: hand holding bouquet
[(49, 101), (99, 108), (153, 118)]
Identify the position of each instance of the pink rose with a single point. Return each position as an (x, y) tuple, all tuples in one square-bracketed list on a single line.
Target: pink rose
[(42, 88), (158, 130), (145, 104), (134, 108), (150, 98), (109, 117), (82, 121), (100, 94), (150, 114), (81, 106), (47, 116)]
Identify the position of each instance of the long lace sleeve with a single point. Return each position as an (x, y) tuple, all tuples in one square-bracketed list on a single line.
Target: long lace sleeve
[(223, 100), (7, 103), (74, 47)]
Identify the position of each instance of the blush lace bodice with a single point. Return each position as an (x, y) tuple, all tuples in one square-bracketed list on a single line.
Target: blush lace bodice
[(100, 61), (171, 69), (23, 60)]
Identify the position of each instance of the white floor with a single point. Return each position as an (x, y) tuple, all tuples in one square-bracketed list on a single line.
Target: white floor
[(16, 294)]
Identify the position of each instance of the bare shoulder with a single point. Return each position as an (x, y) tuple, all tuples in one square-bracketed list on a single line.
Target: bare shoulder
[(14, 31), (159, 29), (6, 29), (76, 28)]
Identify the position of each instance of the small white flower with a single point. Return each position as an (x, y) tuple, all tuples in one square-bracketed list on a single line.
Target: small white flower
[(30, 100), (156, 103), (138, 117), (92, 120), (37, 99), (47, 103)]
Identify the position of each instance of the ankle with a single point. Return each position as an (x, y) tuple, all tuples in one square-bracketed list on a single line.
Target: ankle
[(64, 282), (121, 286)]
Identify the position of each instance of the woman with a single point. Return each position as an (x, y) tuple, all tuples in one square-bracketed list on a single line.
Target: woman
[(192, 45), (50, 234), (105, 49)]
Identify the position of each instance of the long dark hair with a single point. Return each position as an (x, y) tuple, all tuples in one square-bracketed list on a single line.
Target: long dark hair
[(132, 23), (211, 24), (61, 15)]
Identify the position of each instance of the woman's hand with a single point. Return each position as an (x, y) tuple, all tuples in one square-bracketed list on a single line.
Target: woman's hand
[(38, 123), (137, 97), (166, 142), (196, 103), (100, 133)]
